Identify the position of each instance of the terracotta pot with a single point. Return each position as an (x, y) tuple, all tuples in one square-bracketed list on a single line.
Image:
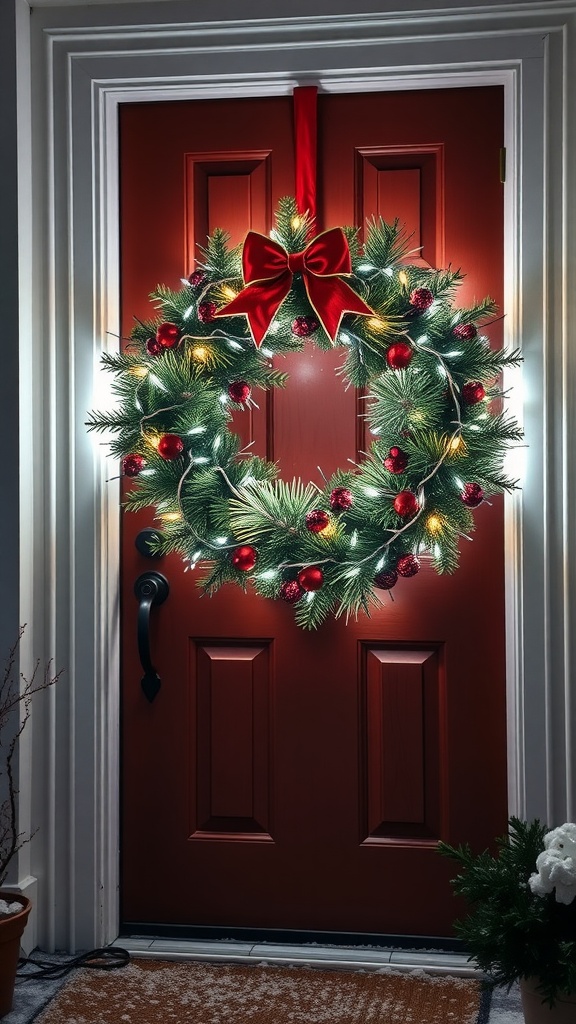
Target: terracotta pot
[(11, 929), (537, 1012)]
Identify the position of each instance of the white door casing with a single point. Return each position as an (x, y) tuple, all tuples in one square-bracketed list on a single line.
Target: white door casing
[(86, 60)]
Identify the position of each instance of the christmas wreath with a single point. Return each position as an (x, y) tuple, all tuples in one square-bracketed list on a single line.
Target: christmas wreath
[(431, 382)]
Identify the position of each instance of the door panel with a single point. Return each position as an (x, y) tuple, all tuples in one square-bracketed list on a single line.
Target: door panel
[(282, 779)]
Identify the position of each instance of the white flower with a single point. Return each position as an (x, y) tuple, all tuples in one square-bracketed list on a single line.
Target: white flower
[(557, 865)]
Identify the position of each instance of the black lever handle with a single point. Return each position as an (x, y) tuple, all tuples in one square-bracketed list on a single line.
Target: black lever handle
[(150, 588)]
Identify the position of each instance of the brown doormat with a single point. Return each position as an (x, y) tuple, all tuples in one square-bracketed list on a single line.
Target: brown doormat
[(156, 992)]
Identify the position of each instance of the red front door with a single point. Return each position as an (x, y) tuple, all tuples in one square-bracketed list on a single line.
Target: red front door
[(283, 779)]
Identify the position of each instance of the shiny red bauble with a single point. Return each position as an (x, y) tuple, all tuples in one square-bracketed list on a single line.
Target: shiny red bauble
[(168, 335), (396, 460), (407, 565), (153, 347), (421, 299), (472, 495), (170, 446), (399, 355), (386, 579), (341, 499), (304, 326), (244, 557), (133, 464), (291, 591), (473, 392), (317, 520), (406, 504), (207, 311), (197, 278), (311, 578), (465, 332), (239, 391)]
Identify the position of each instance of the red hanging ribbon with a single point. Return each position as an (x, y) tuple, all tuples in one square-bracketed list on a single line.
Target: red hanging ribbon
[(305, 143), (268, 272)]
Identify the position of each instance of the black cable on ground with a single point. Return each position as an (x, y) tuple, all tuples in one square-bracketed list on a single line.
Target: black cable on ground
[(109, 958)]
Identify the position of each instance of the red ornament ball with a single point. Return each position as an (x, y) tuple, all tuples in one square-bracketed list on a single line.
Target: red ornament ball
[(170, 446), (317, 520), (396, 460), (386, 579), (472, 495), (168, 335), (207, 311), (341, 499), (197, 278), (407, 565), (311, 578), (133, 464), (244, 557), (465, 332), (239, 391), (291, 591), (406, 504), (473, 392), (153, 347), (399, 355), (421, 299), (304, 326)]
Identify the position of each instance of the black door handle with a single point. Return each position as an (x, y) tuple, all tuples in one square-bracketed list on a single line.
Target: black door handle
[(150, 588)]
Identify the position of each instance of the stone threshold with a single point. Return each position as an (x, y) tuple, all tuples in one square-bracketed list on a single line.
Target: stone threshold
[(309, 955)]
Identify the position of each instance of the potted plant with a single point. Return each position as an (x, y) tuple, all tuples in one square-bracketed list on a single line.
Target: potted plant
[(522, 922), (16, 694)]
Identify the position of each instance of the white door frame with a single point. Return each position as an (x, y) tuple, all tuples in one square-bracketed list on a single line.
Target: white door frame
[(85, 61)]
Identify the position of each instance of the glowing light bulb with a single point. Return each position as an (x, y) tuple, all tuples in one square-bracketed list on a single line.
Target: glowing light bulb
[(455, 445), (200, 353), (139, 371), (376, 323), (171, 517), (434, 524), (229, 292), (296, 222), (152, 438), (403, 278)]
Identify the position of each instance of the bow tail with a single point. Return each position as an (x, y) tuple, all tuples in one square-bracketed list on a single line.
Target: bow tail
[(259, 302), (330, 298)]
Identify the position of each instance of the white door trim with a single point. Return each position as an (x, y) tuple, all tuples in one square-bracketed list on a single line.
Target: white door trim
[(85, 62)]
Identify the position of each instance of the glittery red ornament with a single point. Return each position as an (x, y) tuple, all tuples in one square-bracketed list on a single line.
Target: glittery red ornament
[(153, 347), (472, 495), (407, 565), (386, 579), (396, 460), (465, 332), (317, 520), (133, 464), (207, 311), (304, 326), (341, 499), (311, 578), (291, 591), (244, 557), (197, 278), (170, 446), (168, 335), (473, 392), (399, 355), (421, 299), (406, 504), (239, 391)]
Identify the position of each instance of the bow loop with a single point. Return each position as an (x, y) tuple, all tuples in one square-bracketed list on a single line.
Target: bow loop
[(268, 271)]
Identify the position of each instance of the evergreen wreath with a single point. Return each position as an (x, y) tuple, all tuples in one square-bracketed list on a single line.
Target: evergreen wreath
[(431, 381)]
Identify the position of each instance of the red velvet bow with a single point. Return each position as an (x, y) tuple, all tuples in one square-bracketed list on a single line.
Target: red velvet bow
[(268, 272)]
